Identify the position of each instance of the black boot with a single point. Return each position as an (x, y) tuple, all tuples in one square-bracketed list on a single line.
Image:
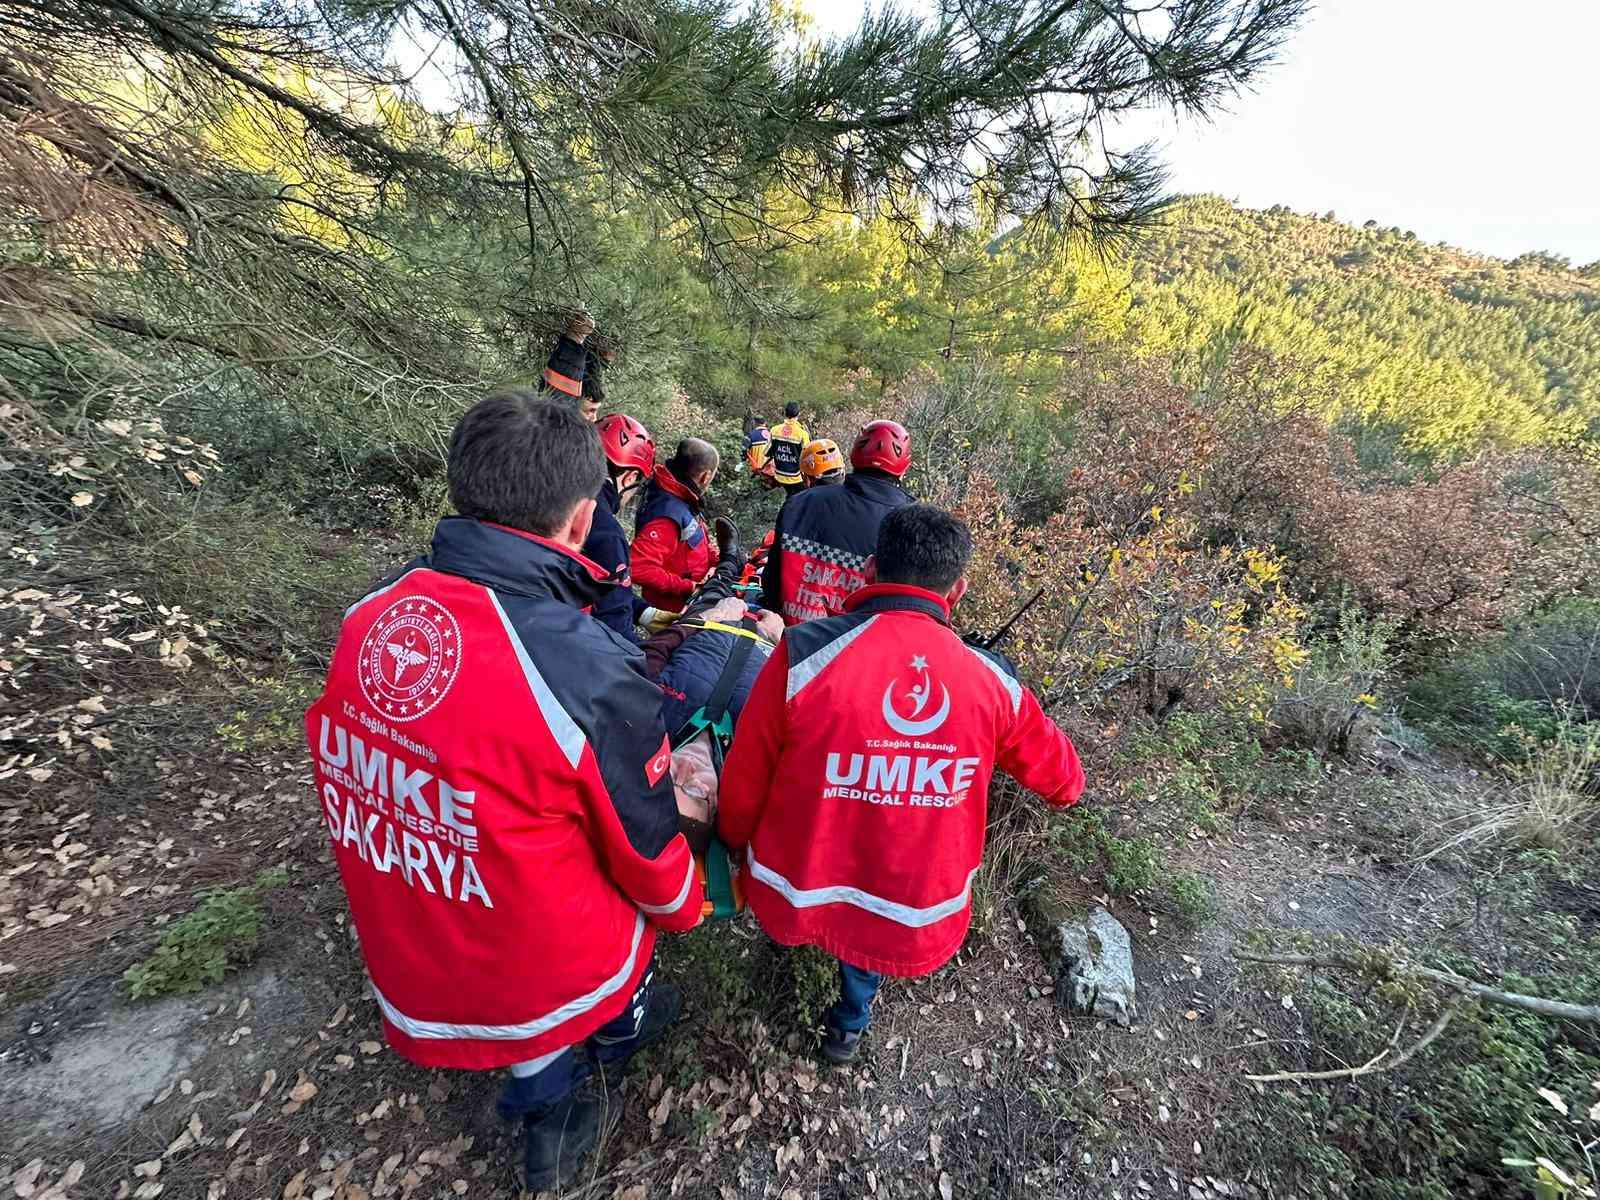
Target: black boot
[(728, 548), (841, 1048), (662, 1013), (558, 1142)]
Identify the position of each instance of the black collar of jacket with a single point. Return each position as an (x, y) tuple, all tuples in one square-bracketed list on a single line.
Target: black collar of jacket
[(876, 487), (610, 497), (890, 597), (513, 561)]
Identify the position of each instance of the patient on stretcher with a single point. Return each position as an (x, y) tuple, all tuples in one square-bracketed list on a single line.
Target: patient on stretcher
[(693, 660)]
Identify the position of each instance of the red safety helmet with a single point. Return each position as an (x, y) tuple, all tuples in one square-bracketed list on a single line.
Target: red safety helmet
[(885, 445), (627, 443)]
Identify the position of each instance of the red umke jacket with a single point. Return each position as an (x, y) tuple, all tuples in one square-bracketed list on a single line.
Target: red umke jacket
[(672, 550), (859, 776), (494, 776)]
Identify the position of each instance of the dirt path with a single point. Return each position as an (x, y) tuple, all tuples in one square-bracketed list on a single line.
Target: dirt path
[(276, 1083)]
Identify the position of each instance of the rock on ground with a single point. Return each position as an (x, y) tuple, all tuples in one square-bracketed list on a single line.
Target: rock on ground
[(1094, 973)]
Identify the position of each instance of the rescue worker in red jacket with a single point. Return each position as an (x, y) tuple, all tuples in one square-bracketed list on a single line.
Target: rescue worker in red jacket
[(858, 780), (495, 779), (673, 551), (825, 535)]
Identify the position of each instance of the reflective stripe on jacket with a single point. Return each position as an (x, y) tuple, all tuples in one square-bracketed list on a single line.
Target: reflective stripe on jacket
[(859, 779), (493, 773)]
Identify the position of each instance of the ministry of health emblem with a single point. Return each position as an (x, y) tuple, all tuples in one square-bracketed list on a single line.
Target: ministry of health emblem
[(409, 658)]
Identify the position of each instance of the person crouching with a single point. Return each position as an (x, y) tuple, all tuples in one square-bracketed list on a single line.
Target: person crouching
[(672, 551), (858, 780)]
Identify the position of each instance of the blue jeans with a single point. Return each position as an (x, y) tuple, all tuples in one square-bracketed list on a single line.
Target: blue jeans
[(857, 987), (541, 1083)]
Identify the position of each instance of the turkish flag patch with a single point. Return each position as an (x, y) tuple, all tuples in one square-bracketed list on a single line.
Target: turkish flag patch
[(659, 762)]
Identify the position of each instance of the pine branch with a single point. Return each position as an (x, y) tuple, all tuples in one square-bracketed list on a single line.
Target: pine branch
[(1559, 1009), (1379, 1062)]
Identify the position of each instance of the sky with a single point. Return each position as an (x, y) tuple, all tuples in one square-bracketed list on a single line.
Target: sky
[(1472, 122)]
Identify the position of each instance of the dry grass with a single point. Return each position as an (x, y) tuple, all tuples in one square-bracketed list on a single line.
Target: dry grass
[(1552, 802)]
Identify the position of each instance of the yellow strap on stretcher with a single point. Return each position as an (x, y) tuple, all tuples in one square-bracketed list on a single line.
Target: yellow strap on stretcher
[(721, 628)]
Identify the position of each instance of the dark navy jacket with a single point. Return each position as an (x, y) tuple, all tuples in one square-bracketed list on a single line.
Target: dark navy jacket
[(607, 546), (823, 540), (688, 662)]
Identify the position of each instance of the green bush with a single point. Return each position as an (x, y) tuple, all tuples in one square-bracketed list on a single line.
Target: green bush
[(1442, 1125), (1322, 709), (1132, 864), (273, 713), (1127, 864), (200, 948), (1515, 690), (1192, 897)]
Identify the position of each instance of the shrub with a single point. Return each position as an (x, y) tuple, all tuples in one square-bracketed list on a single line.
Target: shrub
[(1322, 703), (1516, 684), (200, 948), (1127, 865), (273, 716), (1192, 897), (1131, 600), (1132, 864)]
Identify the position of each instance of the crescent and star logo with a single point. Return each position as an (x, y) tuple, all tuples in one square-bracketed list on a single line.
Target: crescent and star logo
[(915, 724), (409, 658), (657, 766)]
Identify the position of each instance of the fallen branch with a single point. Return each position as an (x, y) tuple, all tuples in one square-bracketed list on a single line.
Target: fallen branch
[(1377, 1062), (1559, 1009)]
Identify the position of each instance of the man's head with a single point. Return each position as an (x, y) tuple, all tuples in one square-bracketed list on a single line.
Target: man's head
[(822, 463), (925, 547), (791, 409), (695, 462), (528, 463), (883, 447)]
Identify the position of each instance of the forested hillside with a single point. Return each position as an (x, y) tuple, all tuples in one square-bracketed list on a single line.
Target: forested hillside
[(1304, 514), (1446, 349)]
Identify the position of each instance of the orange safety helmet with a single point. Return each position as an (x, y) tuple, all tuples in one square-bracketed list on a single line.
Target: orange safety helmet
[(821, 461)]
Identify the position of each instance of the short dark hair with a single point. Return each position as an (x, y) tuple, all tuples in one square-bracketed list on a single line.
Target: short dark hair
[(520, 460), (791, 409), (692, 456), (923, 546)]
